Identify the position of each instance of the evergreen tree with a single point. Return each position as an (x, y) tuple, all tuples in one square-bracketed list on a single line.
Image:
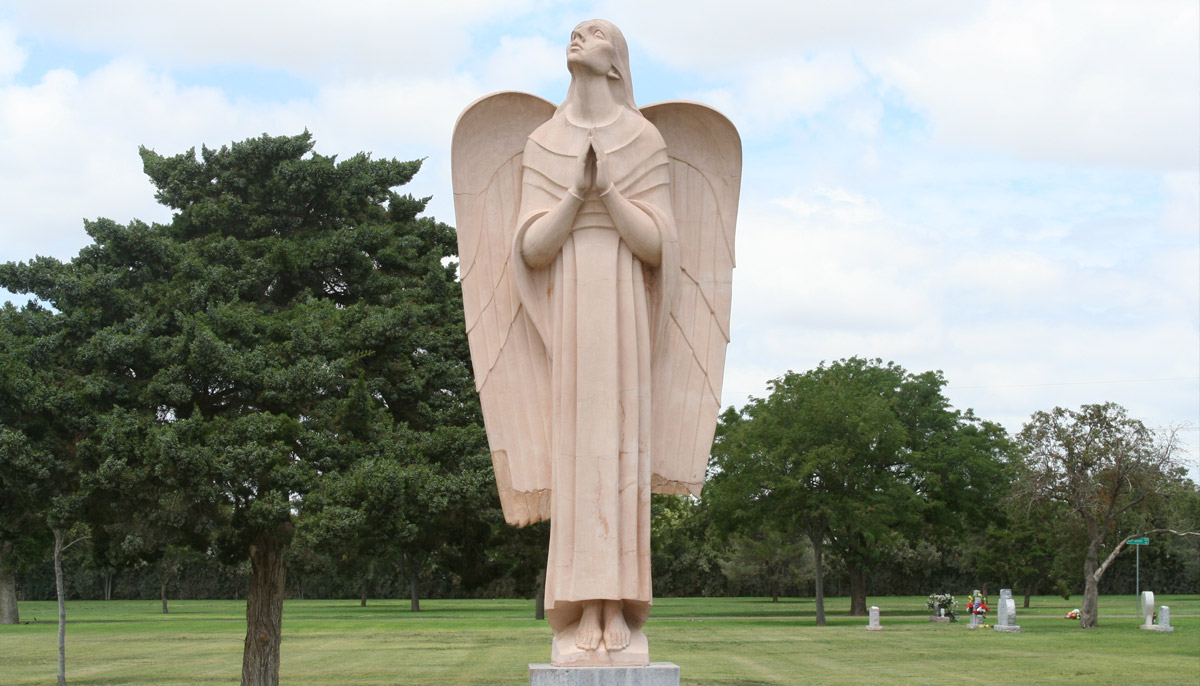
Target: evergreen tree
[(295, 310)]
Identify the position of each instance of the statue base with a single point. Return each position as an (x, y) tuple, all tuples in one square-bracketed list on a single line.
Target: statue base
[(653, 674), (564, 652)]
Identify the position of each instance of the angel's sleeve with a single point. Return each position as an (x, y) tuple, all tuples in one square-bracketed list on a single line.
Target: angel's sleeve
[(509, 359), (689, 360)]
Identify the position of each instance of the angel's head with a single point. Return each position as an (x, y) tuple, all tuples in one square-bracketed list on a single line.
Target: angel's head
[(597, 48)]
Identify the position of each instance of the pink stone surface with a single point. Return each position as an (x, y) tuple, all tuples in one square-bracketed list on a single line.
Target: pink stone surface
[(596, 241)]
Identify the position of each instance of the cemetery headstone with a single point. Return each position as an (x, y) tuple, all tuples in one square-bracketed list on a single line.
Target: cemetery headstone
[(1164, 620), (1002, 610), (1007, 613), (1148, 609), (977, 608), (873, 620)]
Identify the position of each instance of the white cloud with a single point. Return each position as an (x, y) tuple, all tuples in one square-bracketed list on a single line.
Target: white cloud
[(1181, 211), (776, 92), (1094, 81), (71, 141), (525, 64), (709, 35), (324, 40), (383, 113), (826, 260), (1098, 82), (12, 56)]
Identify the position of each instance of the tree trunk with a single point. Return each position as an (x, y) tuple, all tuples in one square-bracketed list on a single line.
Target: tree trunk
[(8, 588), (264, 614), (62, 608), (1028, 593), (162, 591), (858, 591), (1089, 612), (108, 585), (539, 606), (412, 590), (363, 599), (819, 573)]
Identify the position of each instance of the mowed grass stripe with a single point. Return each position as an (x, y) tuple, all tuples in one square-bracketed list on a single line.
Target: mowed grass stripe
[(337, 643)]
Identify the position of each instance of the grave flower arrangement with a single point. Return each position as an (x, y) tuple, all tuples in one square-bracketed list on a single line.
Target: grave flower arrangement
[(977, 605), (1073, 614), (944, 602)]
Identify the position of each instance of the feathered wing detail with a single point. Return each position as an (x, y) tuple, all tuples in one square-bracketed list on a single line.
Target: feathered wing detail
[(689, 358), (512, 370)]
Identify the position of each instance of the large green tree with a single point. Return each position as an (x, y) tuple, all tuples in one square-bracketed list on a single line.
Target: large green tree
[(1109, 472), (47, 411), (21, 539), (236, 333), (854, 455), (409, 495)]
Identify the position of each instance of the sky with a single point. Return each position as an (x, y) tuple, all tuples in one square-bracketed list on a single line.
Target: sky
[(1008, 192)]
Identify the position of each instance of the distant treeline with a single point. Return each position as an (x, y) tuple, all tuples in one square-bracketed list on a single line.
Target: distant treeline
[(1167, 565)]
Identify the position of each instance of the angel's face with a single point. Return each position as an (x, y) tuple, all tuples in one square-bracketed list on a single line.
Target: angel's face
[(591, 48)]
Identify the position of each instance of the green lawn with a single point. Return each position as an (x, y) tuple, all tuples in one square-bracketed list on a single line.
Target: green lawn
[(726, 641)]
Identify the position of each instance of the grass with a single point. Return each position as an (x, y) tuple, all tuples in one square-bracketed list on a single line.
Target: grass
[(716, 641)]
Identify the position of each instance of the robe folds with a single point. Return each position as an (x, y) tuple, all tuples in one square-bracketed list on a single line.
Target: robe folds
[(600, 313)]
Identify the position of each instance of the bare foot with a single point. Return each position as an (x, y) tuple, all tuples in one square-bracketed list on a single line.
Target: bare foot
[(588, 633), (616, 631)]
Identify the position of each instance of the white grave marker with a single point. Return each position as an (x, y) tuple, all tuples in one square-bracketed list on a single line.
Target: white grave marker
[(1002, 617), (1164, 620), (1148, 609), (1007, 613), (873, 620)]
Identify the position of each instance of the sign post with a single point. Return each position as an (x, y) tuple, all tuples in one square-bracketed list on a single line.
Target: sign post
[(1137, 544)]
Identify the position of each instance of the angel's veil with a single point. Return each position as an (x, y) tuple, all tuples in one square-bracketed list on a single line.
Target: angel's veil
[(619, 79)]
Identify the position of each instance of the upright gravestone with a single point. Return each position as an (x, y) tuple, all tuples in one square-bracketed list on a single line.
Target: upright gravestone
[(975, 621), (1148, 609), (1006, 614), (873, 620), (1164, 620)]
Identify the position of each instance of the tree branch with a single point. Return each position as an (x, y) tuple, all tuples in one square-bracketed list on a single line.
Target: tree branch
[(81, 538), (1128, 505), (1121, 546)]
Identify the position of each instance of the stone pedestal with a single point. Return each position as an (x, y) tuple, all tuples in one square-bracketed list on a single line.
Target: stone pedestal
[(654, 674), (564, 652), (975, 621)]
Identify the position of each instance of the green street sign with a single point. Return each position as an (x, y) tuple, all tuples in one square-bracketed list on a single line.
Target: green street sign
[(1144, 540)]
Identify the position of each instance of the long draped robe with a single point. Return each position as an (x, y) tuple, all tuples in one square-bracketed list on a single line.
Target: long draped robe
[(599, 312)]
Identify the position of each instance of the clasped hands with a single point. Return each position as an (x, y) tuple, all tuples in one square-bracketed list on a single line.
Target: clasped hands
[(591, 170)]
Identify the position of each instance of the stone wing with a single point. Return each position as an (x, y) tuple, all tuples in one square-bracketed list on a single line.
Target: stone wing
[(706, 169), (512, 370)]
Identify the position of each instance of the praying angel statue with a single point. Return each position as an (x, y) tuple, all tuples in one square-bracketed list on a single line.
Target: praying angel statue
[(596, 241)]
